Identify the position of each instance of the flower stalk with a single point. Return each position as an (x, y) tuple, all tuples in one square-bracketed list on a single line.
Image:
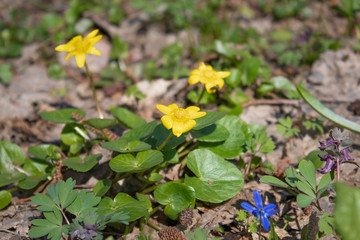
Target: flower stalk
[(94, 91)]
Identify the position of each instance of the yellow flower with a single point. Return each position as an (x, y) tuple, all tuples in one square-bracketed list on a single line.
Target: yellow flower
[(179, 119), (79, 47), (207, 76)]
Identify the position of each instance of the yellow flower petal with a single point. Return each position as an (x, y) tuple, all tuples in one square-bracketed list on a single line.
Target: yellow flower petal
[(209, 88), (192, 109), (167, 121), (202, 66), (69, 55), (166, 109), (194, 79), (223, 74), (62, 48), (94, 51), (92, 34), (197, 115), (80, 59)]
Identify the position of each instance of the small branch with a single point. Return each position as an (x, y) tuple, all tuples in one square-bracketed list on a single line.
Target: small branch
[(212, 218), (153, 225)]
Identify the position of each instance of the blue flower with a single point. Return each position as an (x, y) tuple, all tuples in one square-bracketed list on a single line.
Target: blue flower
[(260, 211)]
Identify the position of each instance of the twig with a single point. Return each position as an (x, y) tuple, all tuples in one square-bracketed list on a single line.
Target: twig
[(212, 218)]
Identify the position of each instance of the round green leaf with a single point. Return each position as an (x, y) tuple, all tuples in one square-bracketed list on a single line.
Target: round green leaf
[(124, 146), (5, 198), (234, 144), (10, 155), (133, 208), (127, 118), (208, 119), (212, 133), (6, 179), (102, 187), (61, 116), (30, 182), (70, 136), (82, 165), (176, 197), (160, 134), (143, 160), (155, 177), (141, 132), (101, 123), (216, 180)]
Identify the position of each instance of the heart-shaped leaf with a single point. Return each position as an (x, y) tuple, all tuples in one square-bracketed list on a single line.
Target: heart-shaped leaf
[(176, 197), (127, 118), (82, 165), (216, 179), (141, 132), (62, 116), (208, 119), (10, 155), (101, 123), (124, 146), (212, 133), (143, 160), (233, 146)]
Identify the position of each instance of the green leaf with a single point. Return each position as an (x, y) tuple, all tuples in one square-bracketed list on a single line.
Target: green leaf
[(6, 73), (314, 158), (143, 161), (51, 21), (44, 201), (281, 35), (102, 187), (29, 182), (176, 197), (216, 180), (61, 116), (325, 181), (85, 202), (7, 178), (141, 132), (305, 188), (155, 177), (307, 169), (43, 151), (82, 165), (326, 112), (10, 155), (234, 145), (127, 118), (347, 211), (124, 146), (160, 134), (212, 133), (249, 69), (51, 226), (5, 198), (66, 193), (326, 224), (304, 200), (291, 177), (208, 119), (273, 235), (101, 123), (133, 208), (273, 181)]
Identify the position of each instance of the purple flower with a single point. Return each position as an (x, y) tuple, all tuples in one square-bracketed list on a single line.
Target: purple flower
[(326, 144), (329, 165), (260, 211)]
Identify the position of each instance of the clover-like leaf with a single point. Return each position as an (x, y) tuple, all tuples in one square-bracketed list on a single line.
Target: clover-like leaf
[(216, 179), (273, 181), (143, 160), (304, 200), (61, 116), (82, 165), (307, 169), (84, 202), (176, 197)]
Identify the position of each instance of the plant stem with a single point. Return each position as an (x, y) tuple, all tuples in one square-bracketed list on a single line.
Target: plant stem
[(62, 212), (153, 225), (166, 141), (338, 170), (247, 171), (184, 146), (149, 189), (105, 135), (93, 91), (183, 153), (201, 95)]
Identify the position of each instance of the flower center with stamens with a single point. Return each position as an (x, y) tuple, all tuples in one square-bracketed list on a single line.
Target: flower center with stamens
[(208, 74), (180, 113)]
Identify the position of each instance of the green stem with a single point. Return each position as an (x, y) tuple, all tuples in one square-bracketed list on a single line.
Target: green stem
[(149, 189), (201, 95), (118, 177), (105, 135), (183, 153), (12, 189), (166, 141), (153, 225), (184, 146), (93, 91)]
